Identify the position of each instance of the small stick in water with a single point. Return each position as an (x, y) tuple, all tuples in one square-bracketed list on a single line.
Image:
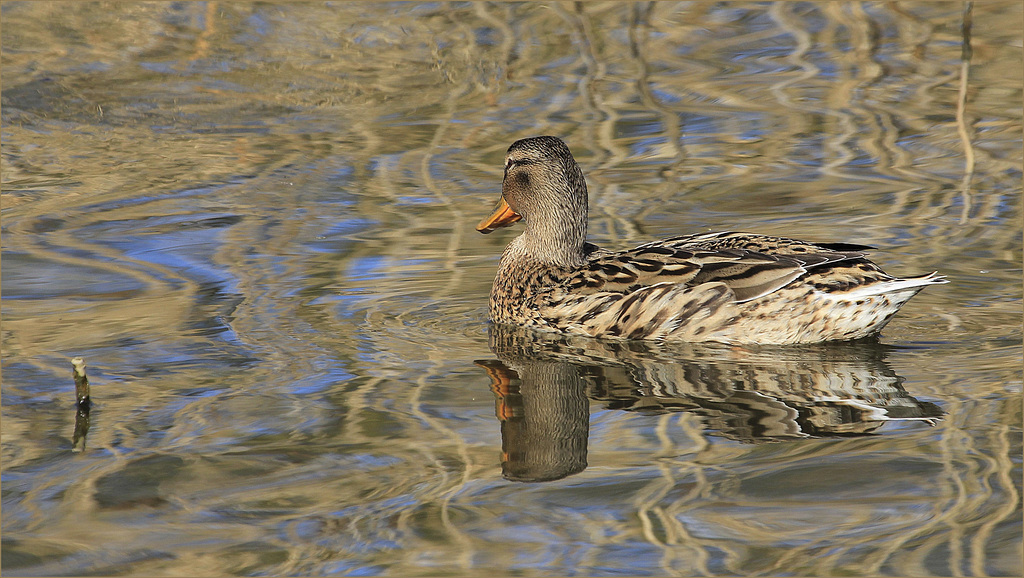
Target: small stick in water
[(82, 419), (81, 381)]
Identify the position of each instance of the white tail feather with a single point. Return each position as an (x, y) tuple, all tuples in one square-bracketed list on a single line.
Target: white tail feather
[(897, 286)]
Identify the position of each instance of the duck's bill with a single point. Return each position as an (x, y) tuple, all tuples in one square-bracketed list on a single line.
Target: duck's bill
[(502, 216)]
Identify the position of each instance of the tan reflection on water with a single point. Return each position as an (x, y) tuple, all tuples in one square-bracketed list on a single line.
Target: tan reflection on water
[(255, 222)]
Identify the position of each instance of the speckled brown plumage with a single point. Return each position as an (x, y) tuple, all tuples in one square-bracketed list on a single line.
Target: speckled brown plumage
[(727, 287)]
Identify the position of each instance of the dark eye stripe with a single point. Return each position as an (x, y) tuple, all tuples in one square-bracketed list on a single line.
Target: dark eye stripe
[(511, 164)]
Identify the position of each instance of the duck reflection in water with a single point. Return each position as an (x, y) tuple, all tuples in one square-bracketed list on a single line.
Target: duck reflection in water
[(543, 384)]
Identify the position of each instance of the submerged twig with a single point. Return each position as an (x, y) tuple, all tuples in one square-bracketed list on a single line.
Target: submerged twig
[(81, 381), (82, 405)]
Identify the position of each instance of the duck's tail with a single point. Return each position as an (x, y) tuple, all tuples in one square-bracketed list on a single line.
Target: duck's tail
[(893, 287)]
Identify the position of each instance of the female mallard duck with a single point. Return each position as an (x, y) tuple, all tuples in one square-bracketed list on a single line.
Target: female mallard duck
[(726, 287)]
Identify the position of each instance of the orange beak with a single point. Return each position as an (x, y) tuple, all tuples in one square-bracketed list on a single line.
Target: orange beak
[(502, 216)]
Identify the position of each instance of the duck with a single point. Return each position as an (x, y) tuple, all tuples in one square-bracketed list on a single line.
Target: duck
[(726, 287)]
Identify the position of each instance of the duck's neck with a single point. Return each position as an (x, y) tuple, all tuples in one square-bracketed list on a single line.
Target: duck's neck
[(556, 222), (556, 236)]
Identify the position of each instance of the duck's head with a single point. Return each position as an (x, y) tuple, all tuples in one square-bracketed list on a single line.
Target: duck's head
[(542, 183), (545, 187)]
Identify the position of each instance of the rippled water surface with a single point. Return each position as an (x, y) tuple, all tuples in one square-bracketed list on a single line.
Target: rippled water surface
[(255, 222)]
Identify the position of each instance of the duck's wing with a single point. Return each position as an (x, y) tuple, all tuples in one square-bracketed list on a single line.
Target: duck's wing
[(832, 265), (766, 244), (747, 272)]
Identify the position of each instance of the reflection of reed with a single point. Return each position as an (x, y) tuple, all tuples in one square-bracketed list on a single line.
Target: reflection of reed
[(542, 381)]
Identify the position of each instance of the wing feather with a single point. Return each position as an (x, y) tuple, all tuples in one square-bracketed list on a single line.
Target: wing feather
[(751, 265)]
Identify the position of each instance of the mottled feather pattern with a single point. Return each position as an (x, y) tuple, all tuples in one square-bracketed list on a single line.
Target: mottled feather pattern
[(730, 287)]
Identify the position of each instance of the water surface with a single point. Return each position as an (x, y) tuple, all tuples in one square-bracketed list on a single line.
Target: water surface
[(255, 223)]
